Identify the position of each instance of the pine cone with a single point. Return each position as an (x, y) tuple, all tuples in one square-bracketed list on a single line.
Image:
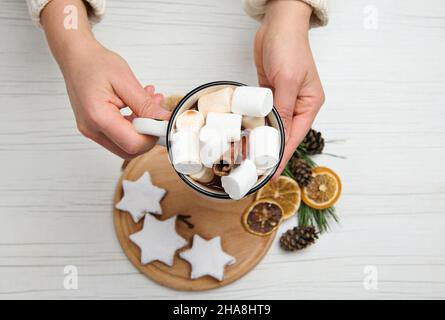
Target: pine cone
[(298, 238), (301, 171), (313, 142)]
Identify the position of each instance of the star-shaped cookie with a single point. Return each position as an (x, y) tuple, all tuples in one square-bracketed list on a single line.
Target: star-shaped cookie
[(207, 258), (158, 240), (141, 197)]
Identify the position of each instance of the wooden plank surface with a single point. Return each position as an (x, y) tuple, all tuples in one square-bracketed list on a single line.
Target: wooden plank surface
[(384, 111)]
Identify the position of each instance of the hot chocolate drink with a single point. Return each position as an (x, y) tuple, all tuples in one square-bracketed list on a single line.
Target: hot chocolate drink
[(225, 140)]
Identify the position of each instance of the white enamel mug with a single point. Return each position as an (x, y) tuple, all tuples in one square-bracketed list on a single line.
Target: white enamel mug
[(165, 129)]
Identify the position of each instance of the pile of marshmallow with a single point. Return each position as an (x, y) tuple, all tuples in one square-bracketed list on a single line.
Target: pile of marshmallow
[(211, 141)]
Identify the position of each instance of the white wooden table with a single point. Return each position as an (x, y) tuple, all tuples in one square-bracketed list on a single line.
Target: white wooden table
[(385, 107)]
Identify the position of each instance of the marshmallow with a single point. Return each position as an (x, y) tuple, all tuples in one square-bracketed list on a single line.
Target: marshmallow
[(260, 172), (185, 152), (204, 176), (207, 134), (218, 101), (253, 122), (264, 147), (240, 180), (190, 120), (252, 101), (212, 150), (227, 124)]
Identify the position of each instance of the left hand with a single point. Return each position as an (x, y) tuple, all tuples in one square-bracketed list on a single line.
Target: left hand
[(285, 64)]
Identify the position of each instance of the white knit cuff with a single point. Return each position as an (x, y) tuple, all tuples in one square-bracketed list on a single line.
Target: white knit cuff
[(35, 8), (257, 8)]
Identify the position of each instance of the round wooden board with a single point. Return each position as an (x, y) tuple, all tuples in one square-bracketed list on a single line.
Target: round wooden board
[(209, 217)]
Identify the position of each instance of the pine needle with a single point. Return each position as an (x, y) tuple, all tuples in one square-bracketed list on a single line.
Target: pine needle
[(322, 219), (301, 153), (308, 216)]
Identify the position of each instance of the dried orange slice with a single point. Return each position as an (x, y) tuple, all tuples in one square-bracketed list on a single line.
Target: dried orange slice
[(324, 189), (263, 217), (286, 192)]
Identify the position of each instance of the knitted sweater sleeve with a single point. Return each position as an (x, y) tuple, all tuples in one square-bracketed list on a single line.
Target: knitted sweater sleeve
[(257, 8), (95, 12)]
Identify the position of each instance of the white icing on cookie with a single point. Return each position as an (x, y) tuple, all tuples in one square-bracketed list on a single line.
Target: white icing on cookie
[(207, 258), (141, 197), (158, 240)]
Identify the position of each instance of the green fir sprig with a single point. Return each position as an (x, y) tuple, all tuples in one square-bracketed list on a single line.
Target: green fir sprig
[(321, 219), (307, 216)]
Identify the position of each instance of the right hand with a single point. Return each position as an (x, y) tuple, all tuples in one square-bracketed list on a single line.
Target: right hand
[(99, 84)]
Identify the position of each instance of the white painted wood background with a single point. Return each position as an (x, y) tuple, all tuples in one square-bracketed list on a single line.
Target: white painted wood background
[(385, 103)]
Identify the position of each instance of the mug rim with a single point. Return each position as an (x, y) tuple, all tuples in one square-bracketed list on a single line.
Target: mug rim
[(183, 176)]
